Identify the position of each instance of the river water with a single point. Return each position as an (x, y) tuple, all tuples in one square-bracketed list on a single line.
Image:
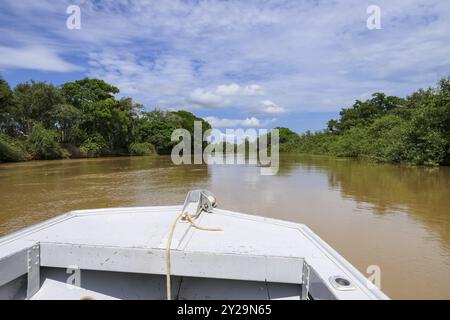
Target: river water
[(394, 217)]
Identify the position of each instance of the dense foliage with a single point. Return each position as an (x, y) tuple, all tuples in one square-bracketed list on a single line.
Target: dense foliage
[(413, 130), (84, 118), (79, 119)]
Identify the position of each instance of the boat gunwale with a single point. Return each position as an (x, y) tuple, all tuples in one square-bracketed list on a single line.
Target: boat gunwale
[(362, 283)]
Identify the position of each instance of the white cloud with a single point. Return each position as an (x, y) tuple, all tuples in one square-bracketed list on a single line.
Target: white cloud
[(233, 123), (234, 89), (269, 107), (35, 58), (161, 82), (223, 95), (205, 98), (228, 89), (304, 55)]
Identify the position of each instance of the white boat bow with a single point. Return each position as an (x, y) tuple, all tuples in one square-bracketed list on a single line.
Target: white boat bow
[(121, 253)]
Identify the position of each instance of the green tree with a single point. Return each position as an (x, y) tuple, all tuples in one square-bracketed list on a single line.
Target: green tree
[(124, 117), (141, 149), (87, 91), (363, 113), (7, 109), (44, 143), (93, 145), (102, 113), (156, 127), (12, 149), (36, 102), (186, 120), (67, 120)]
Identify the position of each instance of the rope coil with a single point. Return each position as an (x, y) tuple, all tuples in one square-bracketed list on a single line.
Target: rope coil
[(184, 217)]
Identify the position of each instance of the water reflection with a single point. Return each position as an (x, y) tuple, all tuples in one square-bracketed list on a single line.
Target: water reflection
[(30, 192), (422, 193), (395, 217)]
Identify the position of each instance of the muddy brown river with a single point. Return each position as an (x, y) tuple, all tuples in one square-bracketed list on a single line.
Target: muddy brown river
[(394, 217)]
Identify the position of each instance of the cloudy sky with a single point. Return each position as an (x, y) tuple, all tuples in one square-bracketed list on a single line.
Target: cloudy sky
[(242, 63)]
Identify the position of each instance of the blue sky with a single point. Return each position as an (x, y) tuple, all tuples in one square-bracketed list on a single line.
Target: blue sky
[(237, 63)]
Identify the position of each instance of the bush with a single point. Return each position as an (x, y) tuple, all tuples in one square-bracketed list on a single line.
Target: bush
[(156, 128), (387, 140), (415, 130), (353, 143), (427, 149), (12, 150), (44, 144), (141, 149), (93, 145)]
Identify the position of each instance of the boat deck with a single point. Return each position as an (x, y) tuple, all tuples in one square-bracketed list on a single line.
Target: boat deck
[(266, 253)]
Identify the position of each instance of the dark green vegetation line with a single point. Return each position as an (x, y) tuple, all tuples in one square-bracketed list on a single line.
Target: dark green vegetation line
[(413, 130), (81, 119)]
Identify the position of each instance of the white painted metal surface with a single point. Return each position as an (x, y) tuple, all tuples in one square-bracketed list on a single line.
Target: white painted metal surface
[(54, 290), (132, 240)]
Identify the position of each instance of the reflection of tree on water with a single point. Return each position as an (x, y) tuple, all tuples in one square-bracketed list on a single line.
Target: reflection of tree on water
[(55, 187), (309, 163), (424, 193)]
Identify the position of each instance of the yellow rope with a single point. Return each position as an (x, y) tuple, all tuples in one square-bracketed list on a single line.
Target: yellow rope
[(169, 243), (183, 216), (196, 226)]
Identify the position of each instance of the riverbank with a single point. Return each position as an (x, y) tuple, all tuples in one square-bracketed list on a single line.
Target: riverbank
[(12, 150), (83, 118), (413, 130)]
